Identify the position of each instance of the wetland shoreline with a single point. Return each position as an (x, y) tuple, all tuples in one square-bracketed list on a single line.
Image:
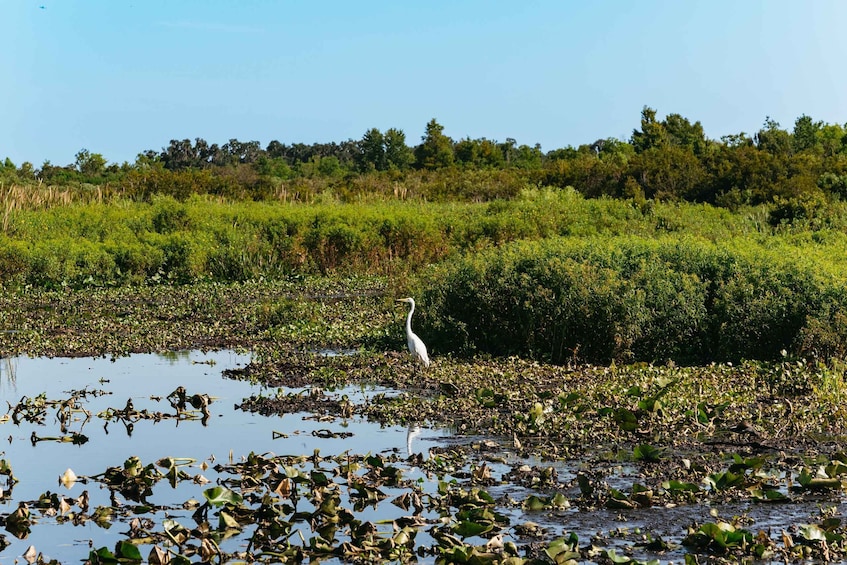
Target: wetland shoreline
[(618, 443)]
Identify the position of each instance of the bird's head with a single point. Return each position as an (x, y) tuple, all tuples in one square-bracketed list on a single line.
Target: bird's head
[(406, 300)]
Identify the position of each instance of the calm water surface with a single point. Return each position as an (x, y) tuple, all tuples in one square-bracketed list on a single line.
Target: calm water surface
[(229, 434)]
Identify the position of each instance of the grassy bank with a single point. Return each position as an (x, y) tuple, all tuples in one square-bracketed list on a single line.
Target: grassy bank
[(127, 242), (549, 275)]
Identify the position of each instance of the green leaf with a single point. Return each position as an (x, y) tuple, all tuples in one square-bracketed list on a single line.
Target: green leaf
[(647, 453), (768, 495), (835, 468), (561, 550), (468, 529), (805, 478), (127, 551), (218, 496), (228, 522), (674, 485), (559, 500), (320, 479), (634, 390), (725, 480), (626, 420), (810, 532), (533, 503), (101, 556), (615, 558)]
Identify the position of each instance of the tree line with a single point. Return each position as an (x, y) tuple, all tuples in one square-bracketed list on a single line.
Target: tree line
[(668, 159)]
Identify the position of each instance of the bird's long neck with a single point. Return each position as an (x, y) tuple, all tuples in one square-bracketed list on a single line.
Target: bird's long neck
[(409, 319)]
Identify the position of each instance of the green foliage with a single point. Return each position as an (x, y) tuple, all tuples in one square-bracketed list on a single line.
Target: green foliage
[(788, 211), (436, 151), (90, 164), (673, 131), (181, 241), (630, 298), (169, 215), (666, 159), (545, 273)]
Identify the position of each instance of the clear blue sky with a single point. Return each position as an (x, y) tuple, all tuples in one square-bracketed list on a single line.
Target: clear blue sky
[(120, 76)]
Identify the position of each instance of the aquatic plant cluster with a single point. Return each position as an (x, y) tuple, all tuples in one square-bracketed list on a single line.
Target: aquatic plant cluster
[(717, 463), (749, 441)]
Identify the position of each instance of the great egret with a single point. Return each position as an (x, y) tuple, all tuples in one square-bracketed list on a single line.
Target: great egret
[(416, 345)]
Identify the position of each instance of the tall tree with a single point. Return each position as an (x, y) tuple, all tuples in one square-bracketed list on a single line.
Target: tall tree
[(673, 130), (242, 151), (436, 151), (398, 155), (276, 150), (833, 139), (90, 164), (372, 151), (773, 139), (527, 157), (181, 154), (683, 133), (652, 133), (668, 173), (806, 134)]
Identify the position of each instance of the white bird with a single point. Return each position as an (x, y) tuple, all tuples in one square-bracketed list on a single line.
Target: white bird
[(412, 432), (416, 345)]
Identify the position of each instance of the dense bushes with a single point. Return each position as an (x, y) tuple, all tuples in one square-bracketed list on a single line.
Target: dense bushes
[(548, 273), (631, 298), (170, 240)]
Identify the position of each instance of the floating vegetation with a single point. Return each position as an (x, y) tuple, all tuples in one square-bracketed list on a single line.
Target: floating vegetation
[(609, 464), (611, 493)]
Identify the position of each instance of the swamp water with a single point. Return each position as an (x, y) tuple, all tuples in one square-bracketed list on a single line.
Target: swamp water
[(38, 459), (227, 435)]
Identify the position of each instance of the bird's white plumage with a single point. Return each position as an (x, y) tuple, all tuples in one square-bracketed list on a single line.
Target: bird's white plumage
[(412, 432), (416, 345)]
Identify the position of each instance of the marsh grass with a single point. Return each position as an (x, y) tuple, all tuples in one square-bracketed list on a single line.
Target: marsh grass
[(207, 238), (546, 273)]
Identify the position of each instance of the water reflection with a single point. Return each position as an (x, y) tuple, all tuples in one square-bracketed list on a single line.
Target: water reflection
[(412, 433), (8, 374), (87, 415)]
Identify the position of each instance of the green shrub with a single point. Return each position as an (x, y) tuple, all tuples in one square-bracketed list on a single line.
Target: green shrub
[(169, 215), (628, 299), (672, 323), (14, 261), (761, 309), (529, 300), (135, 261), (176, 259), (824, 334)]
